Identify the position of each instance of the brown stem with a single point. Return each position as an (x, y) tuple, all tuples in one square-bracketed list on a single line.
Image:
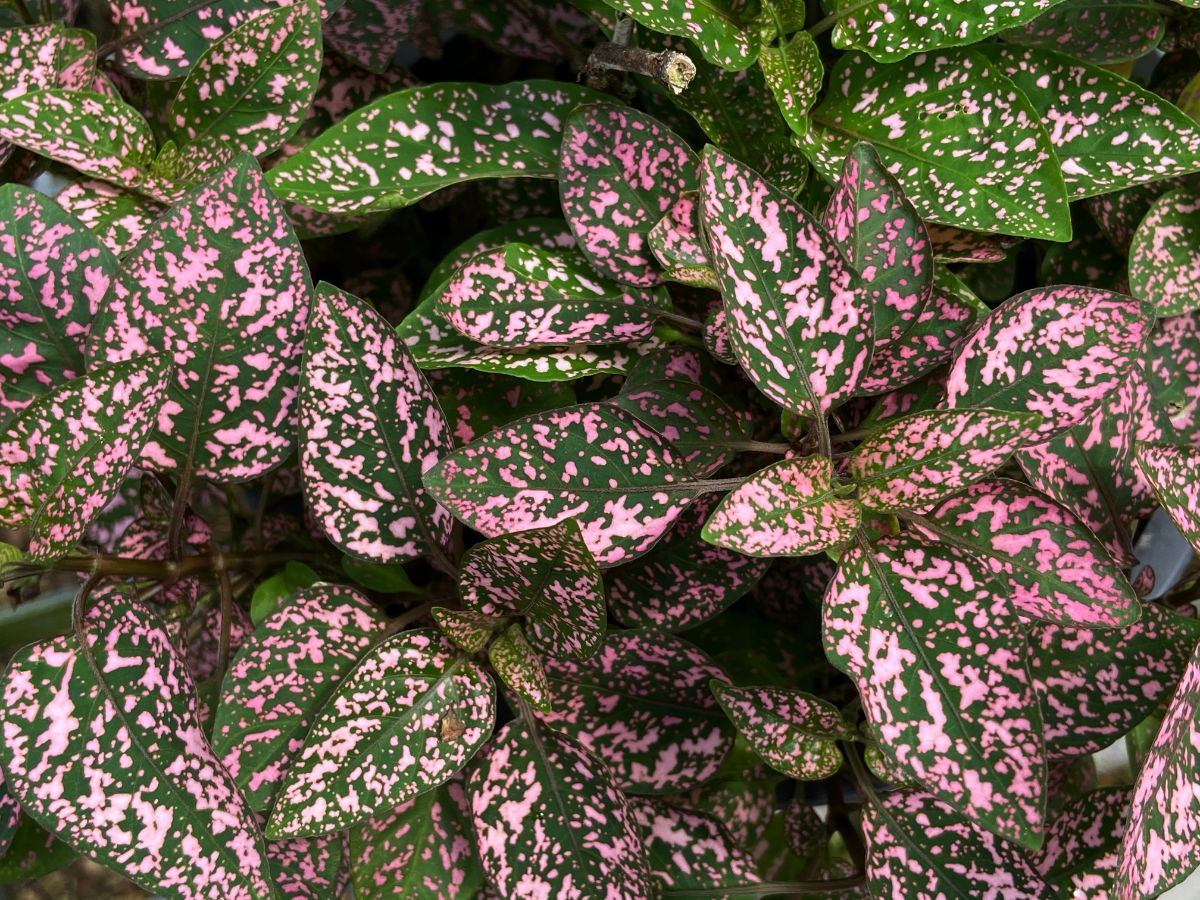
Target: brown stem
[(406, 618), (672, 70), (171, 570)]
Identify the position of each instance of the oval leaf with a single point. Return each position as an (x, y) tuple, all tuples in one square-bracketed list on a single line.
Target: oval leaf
[(1164, 258), (691, 851), (790, 508), (405, 720)]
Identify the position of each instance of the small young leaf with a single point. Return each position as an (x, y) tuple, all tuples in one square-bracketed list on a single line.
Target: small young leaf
[(620, 172), (942, 124), (370, 426), (422, 848), (884, 241), (800, 328), (678, 244), (56, 275), (1164, 259), (1055, 568), (794, 732), (521, 296), (1096, 685), (65, 456), (918, 460), (594, 462), (103, 745), (519, 667), (642, 704), (904, 827), (939, 660), (790, 508), (793, 71), (549, 821), (684, 580), (221, 282), (1055, 351), (548, 576), (1108, 133), (280, 678), (405, 720), (691, 851), (470, 631), (427, 138), (250, 90), (278, 587), (1159, 848)]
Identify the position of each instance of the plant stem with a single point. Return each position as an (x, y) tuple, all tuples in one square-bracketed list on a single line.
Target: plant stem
[(409, 616), (758, 447), (682, 321), (672, 70), (223, 644), (721, 484), (173, 570), (178, 514), (773, 888), (261, 510)]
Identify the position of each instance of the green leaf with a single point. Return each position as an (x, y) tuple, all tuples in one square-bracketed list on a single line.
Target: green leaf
[(103, 745), (374, 576), (916, 461), (1108, 133), (891, 30), (373, 747), (944, 125), (794, 732), (280, 677), (714, 26), (546, 575), (92, 133), (521, 296), (939, 659), (642, 704), (56, 273), (271, 591), (32, 853), (425, 847), (1101, 31), (406, 145), (251, 89), (67, 453), (594, 462), (519, 667), (793, 71), (550, 821), (790, 508), (370, 425)]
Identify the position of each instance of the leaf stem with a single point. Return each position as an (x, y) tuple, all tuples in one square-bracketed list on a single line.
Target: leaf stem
[(223, 644), (179, 513), (409, 616), (682, 321), (773, 888), (173, 570), (758, 446)]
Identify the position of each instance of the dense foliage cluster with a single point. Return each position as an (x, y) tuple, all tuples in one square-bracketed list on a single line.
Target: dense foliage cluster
[(600, 448)]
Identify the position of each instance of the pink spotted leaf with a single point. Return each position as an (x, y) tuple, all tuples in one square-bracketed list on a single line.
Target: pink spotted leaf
[(519, 667), (1080, 853), (620, 173), (521, 296), (10, 817), (678, 245), (428, 137), (717, 339), (65, 455), (475, 403), (642, 704), (792, 731), (1164, 263), (56, 274), (408, 717), (794, 73), (884, 241), (684, 581), (790, 508), (221, 282), (1055, 568), (251, 89), (920, 846), (118, 217), (470, 631), (594, 462), (549, 819), (371, 31), (918, 460), (307, 868), (370, 427), (281, 676), (1091, 469), (1173, 474), (939, 659), (940, 123), (1100, 31), (690, 850), (423, 848), (1159, 847), (126, 725), (1108, 132), (1055, 351), (800, 327), (1096, 685), (546, 575)]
